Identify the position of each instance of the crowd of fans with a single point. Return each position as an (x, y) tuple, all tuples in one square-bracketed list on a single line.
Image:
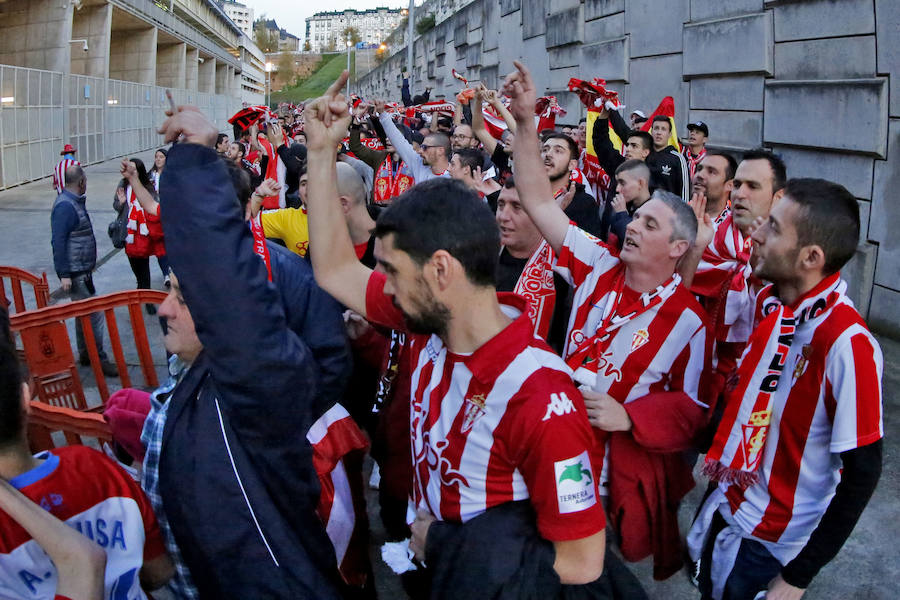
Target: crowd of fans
[(536, 330)]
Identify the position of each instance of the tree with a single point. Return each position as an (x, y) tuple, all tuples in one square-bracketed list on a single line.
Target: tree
[(265, 39), (352, 33), (426, 23)]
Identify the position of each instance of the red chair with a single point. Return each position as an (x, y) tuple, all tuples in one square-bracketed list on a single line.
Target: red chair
[(48, 350), (17, 277), (44, 420)]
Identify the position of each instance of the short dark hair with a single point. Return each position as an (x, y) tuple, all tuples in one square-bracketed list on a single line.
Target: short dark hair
[(442, 141), (663, 119), (828, 218), (73, 175), (12, 421), (444, 214), (470, 158), (220, 137), (731, 167), (582, 120), (573, 146), (241, 148), (633, 164), (646, 138), (779, 170), (510, 181)]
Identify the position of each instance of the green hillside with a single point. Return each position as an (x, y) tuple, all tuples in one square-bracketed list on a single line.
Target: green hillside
[(316, 84)]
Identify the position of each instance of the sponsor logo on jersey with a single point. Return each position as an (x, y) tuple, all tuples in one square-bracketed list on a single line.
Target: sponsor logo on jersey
[(559, 405), (575, 490)]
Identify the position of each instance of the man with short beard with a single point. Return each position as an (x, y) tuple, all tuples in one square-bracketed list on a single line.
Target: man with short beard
[(463, 137), (434, 156), (559, 154), (392, 175), (799, 451), (490, 418), (718, 267)]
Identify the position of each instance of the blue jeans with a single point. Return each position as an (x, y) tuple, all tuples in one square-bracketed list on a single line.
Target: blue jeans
[(753, 569), (83, 287)]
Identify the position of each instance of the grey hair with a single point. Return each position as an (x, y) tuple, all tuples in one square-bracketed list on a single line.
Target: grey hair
[(684, 222)]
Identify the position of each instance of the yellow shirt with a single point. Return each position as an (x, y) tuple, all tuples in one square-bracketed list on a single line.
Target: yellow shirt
[(290, 225)]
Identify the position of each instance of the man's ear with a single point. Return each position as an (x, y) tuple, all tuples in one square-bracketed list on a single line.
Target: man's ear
[(679, 248), (442, 266), (345, 204), (812, 258)]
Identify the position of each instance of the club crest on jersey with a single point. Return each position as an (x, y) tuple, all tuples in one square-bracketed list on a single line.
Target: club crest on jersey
[(474, 411), (639, 338), (754, 436), (575, 489), (802, 362)]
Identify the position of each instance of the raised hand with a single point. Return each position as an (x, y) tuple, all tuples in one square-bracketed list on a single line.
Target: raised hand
[(619, 204), (275, 134), (379, 106), (706, 229), (327, 118), (127, 169), (190, 124), (519, 87), (267, 188)]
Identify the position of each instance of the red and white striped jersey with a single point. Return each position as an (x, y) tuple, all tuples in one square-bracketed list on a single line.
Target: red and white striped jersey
[(501, 424), (827, 401), (663, 348), (59, 173), (92, 494)]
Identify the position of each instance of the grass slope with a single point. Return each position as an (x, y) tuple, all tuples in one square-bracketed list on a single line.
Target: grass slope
[(316, 84)]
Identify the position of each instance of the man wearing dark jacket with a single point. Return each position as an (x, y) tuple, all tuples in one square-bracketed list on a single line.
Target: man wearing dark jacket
[(669, 169), (235, 469)]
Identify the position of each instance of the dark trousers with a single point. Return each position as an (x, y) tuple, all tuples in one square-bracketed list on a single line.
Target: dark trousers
[(141, 269), (753, 568), (83, 287)]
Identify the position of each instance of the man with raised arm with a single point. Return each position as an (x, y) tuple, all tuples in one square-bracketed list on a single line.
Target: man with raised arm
[(637, 341), (494, 417), (434, 158)]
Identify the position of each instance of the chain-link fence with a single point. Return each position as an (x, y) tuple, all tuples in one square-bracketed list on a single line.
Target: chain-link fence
[(107, 118)]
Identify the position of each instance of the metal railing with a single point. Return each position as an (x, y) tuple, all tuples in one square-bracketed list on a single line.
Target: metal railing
[(103, 118)]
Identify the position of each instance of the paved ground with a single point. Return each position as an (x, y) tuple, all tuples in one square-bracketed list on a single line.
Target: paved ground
[(868, 566)]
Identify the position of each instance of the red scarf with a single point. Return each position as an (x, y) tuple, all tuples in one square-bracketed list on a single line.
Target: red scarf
[(137, 219), (389, 183), (259, 243), (275, 169), (737, 448), (535, 284), (693, 160)]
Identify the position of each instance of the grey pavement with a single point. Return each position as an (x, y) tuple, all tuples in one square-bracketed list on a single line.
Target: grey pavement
[(867, 567)]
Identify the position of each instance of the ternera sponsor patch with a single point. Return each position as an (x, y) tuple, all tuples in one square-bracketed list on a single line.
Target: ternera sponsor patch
[(575, 489)]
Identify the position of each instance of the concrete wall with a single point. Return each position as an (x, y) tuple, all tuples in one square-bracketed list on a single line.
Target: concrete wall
[(170, 65), (91, 23), (191, 65), (816, 80), (36, 34), (206, 76), (132, 55)]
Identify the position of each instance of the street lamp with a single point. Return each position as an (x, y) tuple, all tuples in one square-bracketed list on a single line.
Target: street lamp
[(268, 77), (349, 44)]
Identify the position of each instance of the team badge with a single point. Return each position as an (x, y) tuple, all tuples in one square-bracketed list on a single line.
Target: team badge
[(382, 186), (639, 338), (474, 411), (802, 361), (754, 436), (575, 490)]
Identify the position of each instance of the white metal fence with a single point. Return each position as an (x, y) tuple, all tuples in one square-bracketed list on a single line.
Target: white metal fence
[(107, 118)]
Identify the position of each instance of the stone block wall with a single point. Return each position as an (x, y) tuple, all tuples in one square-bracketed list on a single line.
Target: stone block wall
[(818, 81)]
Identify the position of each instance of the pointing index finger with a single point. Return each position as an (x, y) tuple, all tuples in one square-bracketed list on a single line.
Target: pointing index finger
[(338, 84)]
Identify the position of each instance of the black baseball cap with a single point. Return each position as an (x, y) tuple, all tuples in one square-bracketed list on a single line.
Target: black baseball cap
[(700, 126)]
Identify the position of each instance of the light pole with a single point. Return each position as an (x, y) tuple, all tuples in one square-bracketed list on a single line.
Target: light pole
[(349, 44), (268, 77)]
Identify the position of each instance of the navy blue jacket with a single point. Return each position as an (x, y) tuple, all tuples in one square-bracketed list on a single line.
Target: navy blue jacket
[(236, 474)]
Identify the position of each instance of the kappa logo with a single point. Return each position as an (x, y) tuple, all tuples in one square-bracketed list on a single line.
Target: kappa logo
[(666, 169), (559, 405), (639, 338), (574, 484)]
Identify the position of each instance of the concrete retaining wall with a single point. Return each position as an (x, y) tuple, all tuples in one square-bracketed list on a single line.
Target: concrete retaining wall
[(816, 80)]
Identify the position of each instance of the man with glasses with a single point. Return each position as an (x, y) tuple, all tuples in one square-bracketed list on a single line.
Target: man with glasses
[(463, 137), (433, 157)]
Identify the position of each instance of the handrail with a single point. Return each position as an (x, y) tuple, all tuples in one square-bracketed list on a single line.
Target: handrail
[(17, 276)]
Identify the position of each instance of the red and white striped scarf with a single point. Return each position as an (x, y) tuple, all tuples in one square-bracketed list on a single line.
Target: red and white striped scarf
[(259, 243), (724, 271), (276, 170), (693, 160), (137, 219), (740, 439), (535, 284)]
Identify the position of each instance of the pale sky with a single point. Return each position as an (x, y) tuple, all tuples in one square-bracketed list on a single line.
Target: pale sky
[(291, 14)]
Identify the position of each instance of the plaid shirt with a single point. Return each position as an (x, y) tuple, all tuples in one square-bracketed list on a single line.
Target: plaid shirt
[(181, 584)]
